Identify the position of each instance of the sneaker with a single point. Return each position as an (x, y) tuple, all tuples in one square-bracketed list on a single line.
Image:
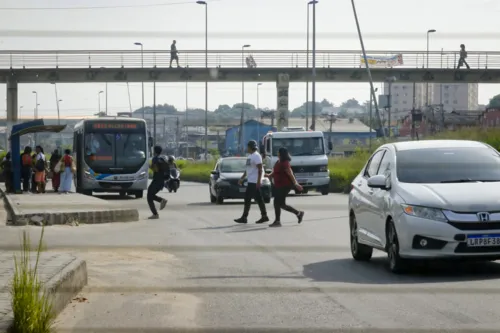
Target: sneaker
[(300, 216), (241, 220), (275, 224), (263, 219), (163, 204), (154, 217)]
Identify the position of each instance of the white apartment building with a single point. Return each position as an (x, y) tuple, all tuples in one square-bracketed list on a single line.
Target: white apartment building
[(453, 96)]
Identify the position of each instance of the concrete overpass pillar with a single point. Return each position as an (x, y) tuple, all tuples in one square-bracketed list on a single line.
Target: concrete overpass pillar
[(282, 85), (12, 112)]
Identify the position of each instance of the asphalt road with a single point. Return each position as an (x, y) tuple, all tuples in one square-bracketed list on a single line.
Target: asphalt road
[(195, 268)]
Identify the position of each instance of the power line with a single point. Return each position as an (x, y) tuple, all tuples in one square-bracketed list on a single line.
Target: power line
[(101, 7), (238, 35)]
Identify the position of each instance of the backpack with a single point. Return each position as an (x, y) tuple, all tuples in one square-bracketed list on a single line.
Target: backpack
[(40, 165), (27, 161), (163, 167)]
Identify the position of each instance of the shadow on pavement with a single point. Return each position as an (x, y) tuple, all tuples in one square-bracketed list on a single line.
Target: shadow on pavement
[(208, 203), (249, 229), (376, 272), (115, 197)]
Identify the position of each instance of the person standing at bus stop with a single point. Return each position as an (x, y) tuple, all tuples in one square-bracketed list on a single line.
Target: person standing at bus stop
[(254, 175), (159, 166)]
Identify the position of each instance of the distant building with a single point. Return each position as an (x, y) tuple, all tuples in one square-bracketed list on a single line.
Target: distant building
[(453, 96)]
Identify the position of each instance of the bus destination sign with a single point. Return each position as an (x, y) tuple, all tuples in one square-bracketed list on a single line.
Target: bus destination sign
[(104, 126)]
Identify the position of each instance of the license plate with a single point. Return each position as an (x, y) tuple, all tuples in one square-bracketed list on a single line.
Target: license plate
[(242, 189), (304, 174), (301, 181), (483, 240)]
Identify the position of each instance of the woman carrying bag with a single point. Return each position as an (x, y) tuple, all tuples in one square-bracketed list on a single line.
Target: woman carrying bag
[(67, 169), (284, 181)]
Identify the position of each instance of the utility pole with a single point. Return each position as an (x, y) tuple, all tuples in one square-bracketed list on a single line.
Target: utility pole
[(177, 134), (154, 112), (330, 118), (165, 129)]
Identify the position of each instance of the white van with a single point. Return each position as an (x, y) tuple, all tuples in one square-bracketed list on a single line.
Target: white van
[(308, 150)]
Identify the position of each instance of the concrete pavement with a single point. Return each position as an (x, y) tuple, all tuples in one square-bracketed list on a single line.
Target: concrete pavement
[(56, 208), (194, 268)]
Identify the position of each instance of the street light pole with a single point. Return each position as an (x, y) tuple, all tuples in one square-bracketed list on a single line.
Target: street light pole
[(313, 121), (99, 103), (142, 83), (258, 109), (204, 3), (307, 62), (106, 96), (427, 65), (242, 118), (371, 120), (187, 129), (57, 104)]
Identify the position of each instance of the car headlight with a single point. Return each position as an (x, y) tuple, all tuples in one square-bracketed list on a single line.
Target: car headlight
[(142, 175), (323, 168), (266, 181), (427, 213)]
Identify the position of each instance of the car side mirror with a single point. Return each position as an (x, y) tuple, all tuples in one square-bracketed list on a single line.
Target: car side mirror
[(378, 181), (330, 145), (150, 140), (215, 173)]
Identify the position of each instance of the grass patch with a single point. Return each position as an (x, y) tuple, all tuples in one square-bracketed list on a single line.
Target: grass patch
[(31, 304)]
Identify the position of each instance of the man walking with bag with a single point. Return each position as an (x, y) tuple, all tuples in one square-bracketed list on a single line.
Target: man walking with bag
[(254, 175)]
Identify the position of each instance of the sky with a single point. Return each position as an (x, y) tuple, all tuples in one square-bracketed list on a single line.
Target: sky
[(264, 24)]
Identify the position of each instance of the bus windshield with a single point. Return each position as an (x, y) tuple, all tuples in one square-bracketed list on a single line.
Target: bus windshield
[(307, 146), (115, 148)]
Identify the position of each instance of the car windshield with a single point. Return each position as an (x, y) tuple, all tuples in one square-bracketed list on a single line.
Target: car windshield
[(299, 146), (233, 165), (448, 165)]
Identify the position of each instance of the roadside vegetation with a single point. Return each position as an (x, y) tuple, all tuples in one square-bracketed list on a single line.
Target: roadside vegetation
[(31, 305), (344, 169)]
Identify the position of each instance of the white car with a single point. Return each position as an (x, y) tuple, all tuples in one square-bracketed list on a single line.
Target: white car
[(435, 199)]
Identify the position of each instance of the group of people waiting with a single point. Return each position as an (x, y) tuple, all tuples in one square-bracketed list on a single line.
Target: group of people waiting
[(35, 169)]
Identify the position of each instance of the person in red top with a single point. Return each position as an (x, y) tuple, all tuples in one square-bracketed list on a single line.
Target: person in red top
[(284, 181)]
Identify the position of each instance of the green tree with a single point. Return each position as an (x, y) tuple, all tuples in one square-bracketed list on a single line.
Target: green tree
[(494, 102)]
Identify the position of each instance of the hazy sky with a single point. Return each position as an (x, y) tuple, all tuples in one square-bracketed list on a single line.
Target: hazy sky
[(406, 21)]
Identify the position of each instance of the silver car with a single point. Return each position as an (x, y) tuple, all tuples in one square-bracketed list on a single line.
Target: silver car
[(427, 200)]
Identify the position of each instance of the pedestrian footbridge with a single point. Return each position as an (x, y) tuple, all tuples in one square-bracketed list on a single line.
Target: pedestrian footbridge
[(67, 66)]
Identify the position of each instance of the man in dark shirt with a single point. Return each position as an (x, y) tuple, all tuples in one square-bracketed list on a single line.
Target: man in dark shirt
[(461, 59), (174, 54), (158, 166)]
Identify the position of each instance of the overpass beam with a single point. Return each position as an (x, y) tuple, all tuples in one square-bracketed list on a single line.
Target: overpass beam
[(282, 85)]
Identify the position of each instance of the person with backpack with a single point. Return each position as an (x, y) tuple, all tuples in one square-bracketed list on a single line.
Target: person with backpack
[(161, 169), (463, 56), (40, 164), (26, 168), (284, 181)]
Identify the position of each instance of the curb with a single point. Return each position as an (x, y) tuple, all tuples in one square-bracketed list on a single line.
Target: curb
[(61, 289), (15, 217)]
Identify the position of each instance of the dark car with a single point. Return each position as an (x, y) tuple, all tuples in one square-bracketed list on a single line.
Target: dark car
[(224, 181)]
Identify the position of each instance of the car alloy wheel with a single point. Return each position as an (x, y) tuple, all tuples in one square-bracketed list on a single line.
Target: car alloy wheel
[(396, 263), (359, 251)]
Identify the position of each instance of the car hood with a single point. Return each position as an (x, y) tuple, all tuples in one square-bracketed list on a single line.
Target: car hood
[(458, 197)]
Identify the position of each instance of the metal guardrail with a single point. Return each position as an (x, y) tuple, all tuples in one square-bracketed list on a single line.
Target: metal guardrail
[(235, 59)]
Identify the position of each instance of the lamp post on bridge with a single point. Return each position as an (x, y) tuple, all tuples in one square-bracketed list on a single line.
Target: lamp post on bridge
[(313, 120), (307, 61), (99, 103), (142, 83), (204, 3), (427, 102), (242, 118)]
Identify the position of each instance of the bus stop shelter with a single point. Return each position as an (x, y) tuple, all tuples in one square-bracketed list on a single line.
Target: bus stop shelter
[(30, 127)]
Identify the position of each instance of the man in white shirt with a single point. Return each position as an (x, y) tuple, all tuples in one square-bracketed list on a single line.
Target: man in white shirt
[(254, 175)]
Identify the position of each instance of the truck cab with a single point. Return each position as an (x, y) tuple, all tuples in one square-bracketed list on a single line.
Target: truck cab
[(309, 152)]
